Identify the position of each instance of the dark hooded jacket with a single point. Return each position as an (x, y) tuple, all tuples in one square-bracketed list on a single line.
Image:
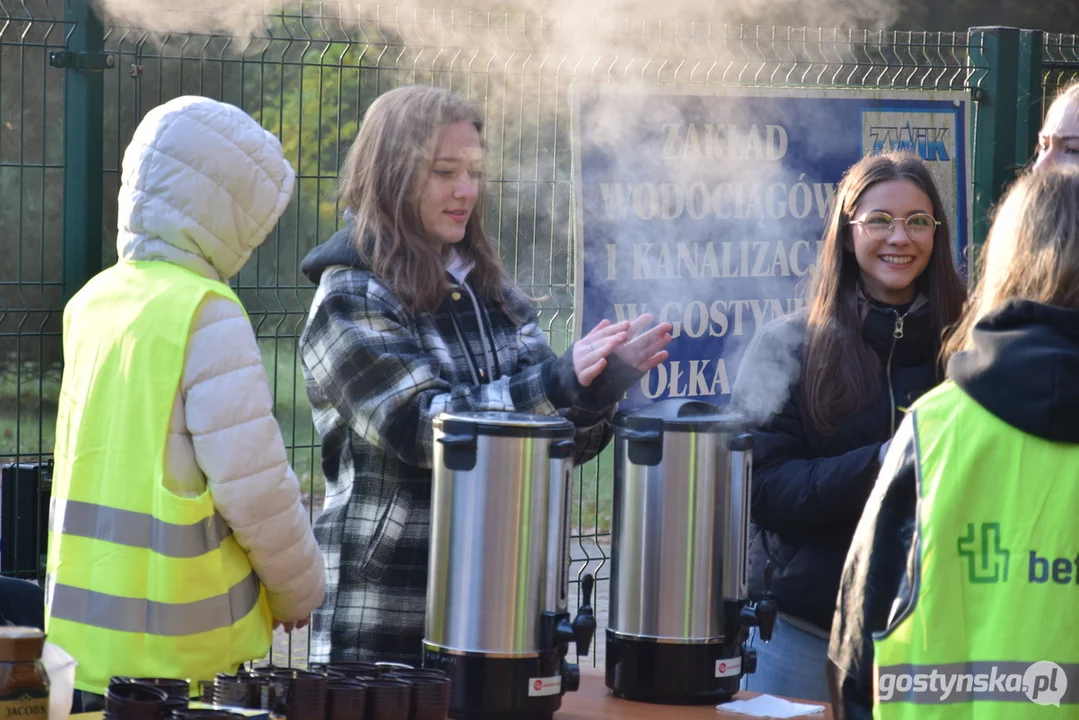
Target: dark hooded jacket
[(809, 488), (1024, 369)]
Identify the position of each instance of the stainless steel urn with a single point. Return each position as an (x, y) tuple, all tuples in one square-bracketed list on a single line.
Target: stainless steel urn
[(497, 617), (679, 605)]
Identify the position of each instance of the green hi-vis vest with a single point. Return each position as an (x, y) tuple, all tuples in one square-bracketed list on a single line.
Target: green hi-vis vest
[(992, 633), (140, 581)]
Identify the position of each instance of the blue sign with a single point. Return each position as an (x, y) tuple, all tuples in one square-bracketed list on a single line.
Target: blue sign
[(705, 206)]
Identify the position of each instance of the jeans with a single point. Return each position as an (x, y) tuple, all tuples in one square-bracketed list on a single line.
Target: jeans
[(792, 664)]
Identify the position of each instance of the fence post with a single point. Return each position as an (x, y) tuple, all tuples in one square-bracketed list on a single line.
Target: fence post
[(1029, 114), (83, 62), (995, 52)]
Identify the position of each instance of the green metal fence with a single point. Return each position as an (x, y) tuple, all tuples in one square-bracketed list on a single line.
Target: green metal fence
[(308, 74), (31, 184)]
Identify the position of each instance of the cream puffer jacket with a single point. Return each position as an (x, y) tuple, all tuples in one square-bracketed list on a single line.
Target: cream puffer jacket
[(203, 185)]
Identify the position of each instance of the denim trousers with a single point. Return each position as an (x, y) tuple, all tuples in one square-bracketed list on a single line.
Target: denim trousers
[(792, 664)]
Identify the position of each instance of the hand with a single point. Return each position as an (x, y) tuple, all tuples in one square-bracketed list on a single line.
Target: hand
[(883, 451), (646, 350), (290, 626), (590, 352)]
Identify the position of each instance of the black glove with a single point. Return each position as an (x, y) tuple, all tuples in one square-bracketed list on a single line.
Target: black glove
[(611, 385), (560, 381), (564, 390)]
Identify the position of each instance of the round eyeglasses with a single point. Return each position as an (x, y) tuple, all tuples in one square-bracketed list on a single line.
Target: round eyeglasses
[(880, 225)]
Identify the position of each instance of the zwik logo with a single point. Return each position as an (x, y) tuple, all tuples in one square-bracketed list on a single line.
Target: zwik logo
[(987, 561)]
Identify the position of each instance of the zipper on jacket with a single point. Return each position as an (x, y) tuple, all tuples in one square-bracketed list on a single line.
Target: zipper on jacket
[(473, 365), (897, 335), (486, 336), (496, 370)]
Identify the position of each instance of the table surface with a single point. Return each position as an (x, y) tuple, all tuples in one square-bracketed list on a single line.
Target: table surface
[(593, 701)]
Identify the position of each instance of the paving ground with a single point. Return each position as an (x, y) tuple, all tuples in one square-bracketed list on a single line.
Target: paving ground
[(587, 556)]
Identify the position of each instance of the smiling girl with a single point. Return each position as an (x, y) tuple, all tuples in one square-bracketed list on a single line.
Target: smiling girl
[(884, 291), (414, 316)]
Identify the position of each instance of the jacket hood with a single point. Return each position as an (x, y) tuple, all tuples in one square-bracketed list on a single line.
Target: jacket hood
[(1024, 368), (338, 250), (203, 184)]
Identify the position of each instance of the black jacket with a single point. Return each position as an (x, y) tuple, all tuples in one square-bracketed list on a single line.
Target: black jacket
[(1024, 369), (809, 489), (21, 603)]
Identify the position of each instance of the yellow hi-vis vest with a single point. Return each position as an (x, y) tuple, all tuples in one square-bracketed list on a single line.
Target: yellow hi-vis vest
[(140, 581), (992, 631)]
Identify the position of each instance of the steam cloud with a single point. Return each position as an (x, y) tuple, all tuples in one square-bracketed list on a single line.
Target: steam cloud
[(242, 18), (761, 390), (763, 387)]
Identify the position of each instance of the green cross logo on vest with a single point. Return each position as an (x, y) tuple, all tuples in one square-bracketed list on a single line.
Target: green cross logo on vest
[(987, 561)]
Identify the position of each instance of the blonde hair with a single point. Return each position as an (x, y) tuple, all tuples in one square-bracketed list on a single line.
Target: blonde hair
[(387, 164), (1032, 251), (1068, 93)]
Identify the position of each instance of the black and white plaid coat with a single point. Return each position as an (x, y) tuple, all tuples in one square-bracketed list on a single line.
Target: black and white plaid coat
[(377, 377)]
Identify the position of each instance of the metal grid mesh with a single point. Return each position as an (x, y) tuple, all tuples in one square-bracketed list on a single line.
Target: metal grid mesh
[(31, 183), (1060, 65), (308, 74)]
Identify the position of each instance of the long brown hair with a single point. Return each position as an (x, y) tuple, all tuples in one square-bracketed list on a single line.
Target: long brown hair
[(1032, 252), (386, 165), (840, 372)]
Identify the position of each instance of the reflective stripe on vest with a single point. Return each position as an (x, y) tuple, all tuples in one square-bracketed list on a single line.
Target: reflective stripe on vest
[(137, 615), (125, 527), (990, 628)]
